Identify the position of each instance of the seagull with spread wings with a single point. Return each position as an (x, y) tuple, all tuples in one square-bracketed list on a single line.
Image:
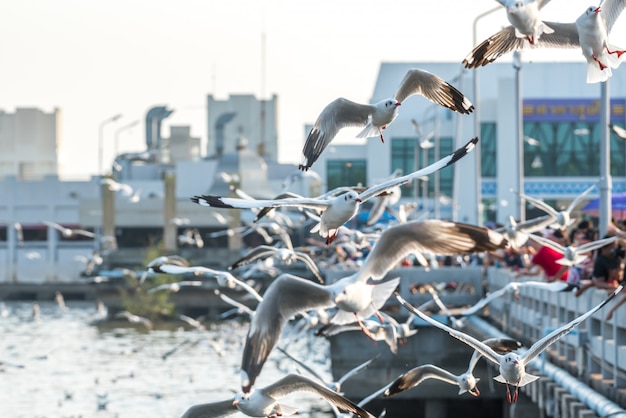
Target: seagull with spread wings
[(589, 33), (512, 365), (360, 295), (264, 402), (337, 210), (343, 113)]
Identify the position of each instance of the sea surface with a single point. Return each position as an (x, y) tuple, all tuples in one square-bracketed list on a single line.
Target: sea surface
[(71, 363)]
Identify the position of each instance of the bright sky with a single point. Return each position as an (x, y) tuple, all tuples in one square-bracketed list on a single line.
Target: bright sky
[(95, 59)]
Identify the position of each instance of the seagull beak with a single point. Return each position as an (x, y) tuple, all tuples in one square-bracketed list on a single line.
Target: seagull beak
[(235, 402), (515, 362), (597, 10), (358, 200), (398, 104)]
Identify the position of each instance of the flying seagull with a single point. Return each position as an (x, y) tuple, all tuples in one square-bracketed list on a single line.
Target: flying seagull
[(465, 381), (337, 210), (285, 255), (264, 402), (589, 33), (512, 365), (342, 113), (360, 295), (574, 255)]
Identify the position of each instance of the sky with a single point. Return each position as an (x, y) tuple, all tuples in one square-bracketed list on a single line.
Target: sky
[(97, 59)]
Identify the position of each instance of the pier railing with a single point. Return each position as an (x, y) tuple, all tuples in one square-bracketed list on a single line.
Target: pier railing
[(594, 352)]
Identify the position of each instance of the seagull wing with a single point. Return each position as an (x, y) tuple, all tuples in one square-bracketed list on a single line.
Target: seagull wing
[(484, 302), (417, 375), (438, 165), (213, 410), (610, 11), (356, 370), (435, 89), (590, 246), (565, 36), (538, 347), (580, 197), (483, 348), (254, 254), (297, 383), (339, 114), (308, 261), (234, 203), (433, 235), (286, 296)]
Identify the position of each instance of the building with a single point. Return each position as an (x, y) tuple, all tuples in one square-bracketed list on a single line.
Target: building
[(29, 143), (242, 115), (561, 144)]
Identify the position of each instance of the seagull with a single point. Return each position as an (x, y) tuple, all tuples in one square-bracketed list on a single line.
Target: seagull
[(377, 331), (573, 255), (135, 319), (240, 307), (514, 287), (337, 210), (69, 233), (524, 16), (342, 113), (114, 186), (517, 233), (155, 265), (264, 402), (361, 294), (175, 287), (589, 32), (619, 131), (512, 365), (224, 278), (334, 386), (283, 254), (465, 381), (563, 217)]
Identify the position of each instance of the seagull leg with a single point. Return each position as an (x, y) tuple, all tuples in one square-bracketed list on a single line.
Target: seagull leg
[(531, 39), (508, 392), (474, 392), (617, 51), (380, 130), (602, 65), (515, 393), (363, 328)]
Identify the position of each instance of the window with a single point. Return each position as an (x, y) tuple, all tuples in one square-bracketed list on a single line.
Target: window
[(345, 173), (403, 158)]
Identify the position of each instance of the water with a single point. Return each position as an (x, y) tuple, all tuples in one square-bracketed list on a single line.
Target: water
[(70, 366)]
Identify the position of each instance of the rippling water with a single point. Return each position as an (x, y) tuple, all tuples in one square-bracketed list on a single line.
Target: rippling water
[(67, 365)]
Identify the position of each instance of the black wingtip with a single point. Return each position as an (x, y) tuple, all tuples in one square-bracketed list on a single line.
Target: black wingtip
[(463, 151), (213, 201)]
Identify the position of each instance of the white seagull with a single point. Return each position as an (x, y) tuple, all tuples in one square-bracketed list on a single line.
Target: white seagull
[(574, 255), (465, 381), (264, 402), (524, 16), (224, 278), (563, 217), (285, 255), (342, 113), (512, 365), (69, 233), (589, 33), (337, 210), (361, 294)]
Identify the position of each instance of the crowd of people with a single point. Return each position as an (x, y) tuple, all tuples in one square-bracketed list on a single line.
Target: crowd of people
[(602, 269)]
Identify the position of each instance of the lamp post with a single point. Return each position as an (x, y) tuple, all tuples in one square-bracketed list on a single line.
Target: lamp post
[(117, 135), (519, 117), (479, 181), (100, 135), (605, 158)]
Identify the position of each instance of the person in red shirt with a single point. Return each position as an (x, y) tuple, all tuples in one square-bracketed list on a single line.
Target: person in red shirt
[(545, 258)]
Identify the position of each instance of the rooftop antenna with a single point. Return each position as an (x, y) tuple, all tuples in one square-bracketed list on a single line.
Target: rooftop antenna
[(261, 147)]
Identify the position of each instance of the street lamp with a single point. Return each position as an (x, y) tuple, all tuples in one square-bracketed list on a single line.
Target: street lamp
[(479, 181), (519, 117), (117, 135), (100, 135)]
